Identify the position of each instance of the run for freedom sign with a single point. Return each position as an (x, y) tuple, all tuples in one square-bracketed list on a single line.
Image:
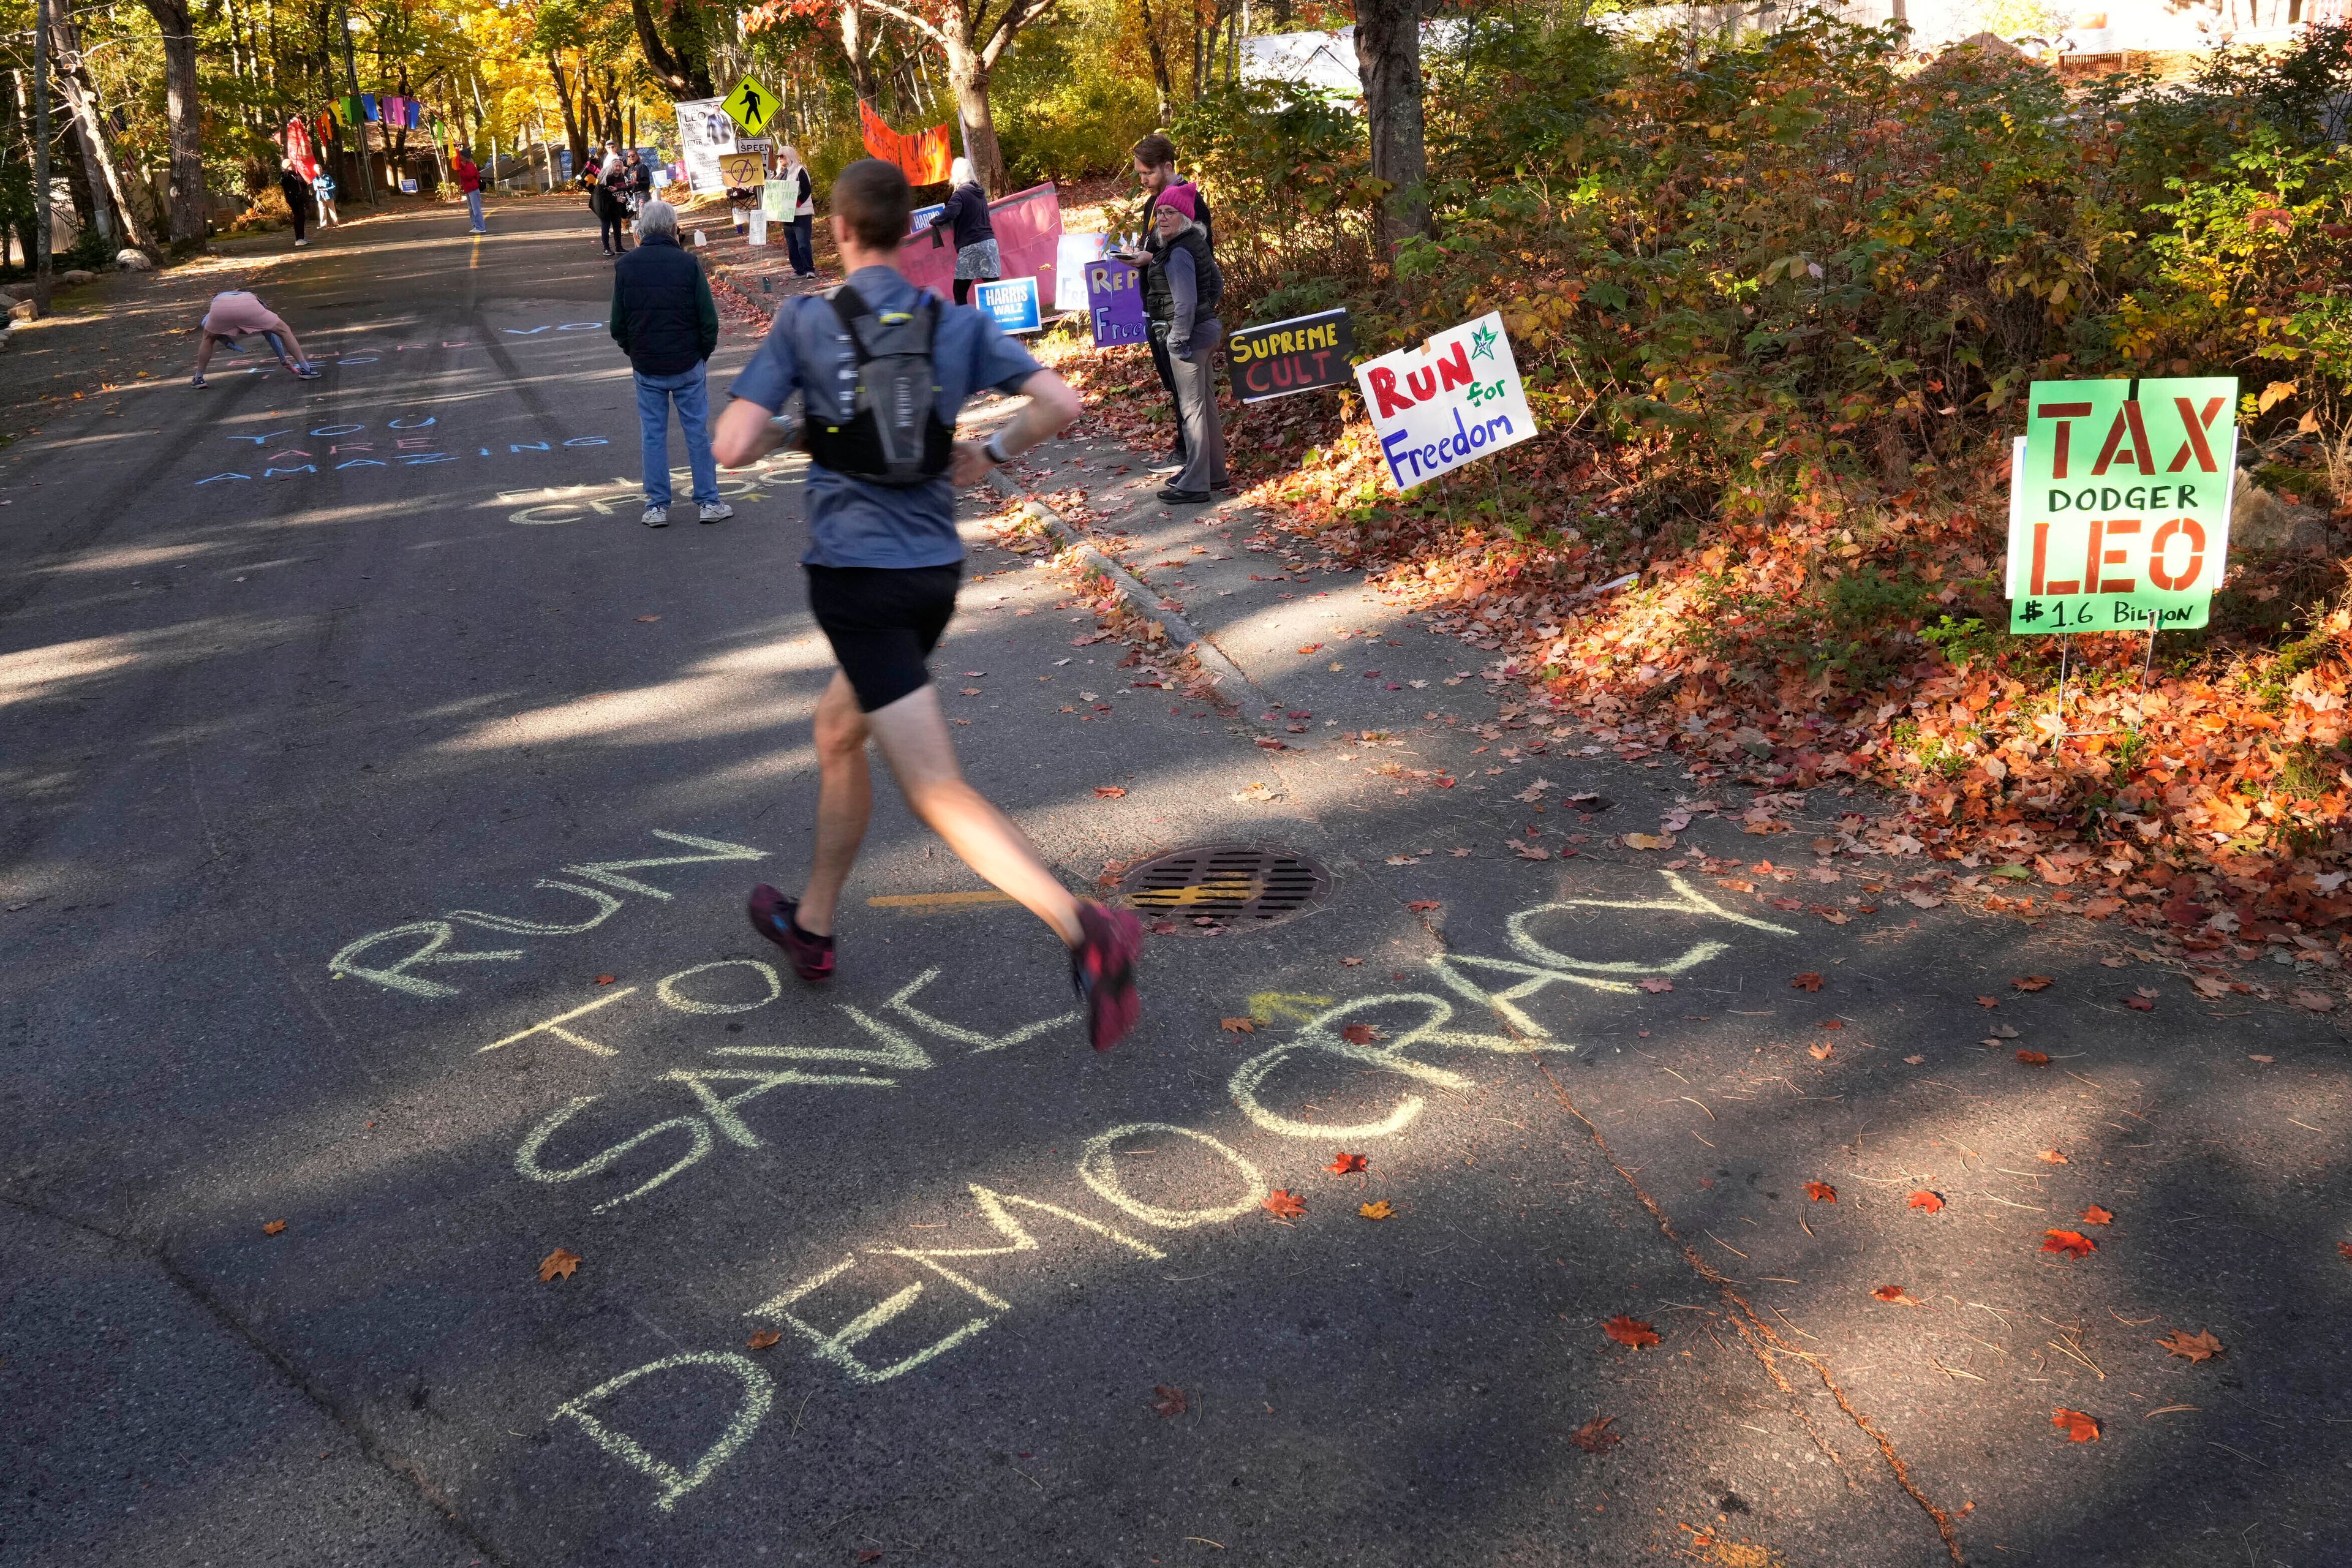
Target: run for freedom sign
[(2119, 504), (1451, 401)]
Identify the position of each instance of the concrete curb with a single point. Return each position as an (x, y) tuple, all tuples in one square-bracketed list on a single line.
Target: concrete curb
[(1230, 676)]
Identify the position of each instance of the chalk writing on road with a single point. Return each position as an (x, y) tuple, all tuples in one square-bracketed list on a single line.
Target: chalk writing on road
[(842, 1309)]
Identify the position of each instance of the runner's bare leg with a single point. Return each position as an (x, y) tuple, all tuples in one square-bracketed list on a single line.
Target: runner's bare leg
[(844, 802), (204, 350), (913, 735)]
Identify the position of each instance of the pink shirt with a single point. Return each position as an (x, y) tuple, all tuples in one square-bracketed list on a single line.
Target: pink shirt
[(236, 312)]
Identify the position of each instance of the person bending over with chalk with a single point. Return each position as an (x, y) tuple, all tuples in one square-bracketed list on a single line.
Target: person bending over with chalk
[(232, 314)]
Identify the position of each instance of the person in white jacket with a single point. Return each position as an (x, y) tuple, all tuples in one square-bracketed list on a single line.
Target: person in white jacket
[(800, 229)]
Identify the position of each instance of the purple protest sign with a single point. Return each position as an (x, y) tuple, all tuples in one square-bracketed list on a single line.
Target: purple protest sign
[(1115, 302)]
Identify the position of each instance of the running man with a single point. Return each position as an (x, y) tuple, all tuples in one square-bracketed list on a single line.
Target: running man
[(884, 561), (235, 312)]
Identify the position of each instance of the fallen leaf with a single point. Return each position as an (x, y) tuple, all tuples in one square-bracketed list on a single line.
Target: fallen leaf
[(1530, 852), (1820, 1192), (762, 1339), (1922, 900), (1283, 1204), (1352, 964), (2050, 1157), (2073, 1243), (647, 620), (606, 979), (1808, 981), (1987, 1001), (2094, 1215), (2034, 1059), (1821, 1050), (1649, 841), (274, 1227), (1380, 1210), (2196, 1347), (1654, 985), (1897, 1295), (2112, 962), (1238, 1025), (1631, 1332), (1913, 1061), (2212, 987), (1359, 1034), (2032, 983), (1110, 792), (1924, 1199), (1594, 1437), (559, 1262), (2080, 1428), (2345, 1248), (1423, 906), (2264, 1060), (2003, 1032), (2139, 1003), (1170, 1401), (2315, 1001), (1344, 1165), (869, 1556)]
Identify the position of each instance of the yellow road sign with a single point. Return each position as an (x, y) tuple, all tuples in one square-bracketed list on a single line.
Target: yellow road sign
[(751, 106)]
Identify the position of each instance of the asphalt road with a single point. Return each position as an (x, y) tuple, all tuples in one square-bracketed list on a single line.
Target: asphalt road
[(382, 800)]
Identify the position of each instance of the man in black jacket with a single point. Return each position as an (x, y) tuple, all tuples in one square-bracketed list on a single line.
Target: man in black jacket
[(665, 319), (297, 198)]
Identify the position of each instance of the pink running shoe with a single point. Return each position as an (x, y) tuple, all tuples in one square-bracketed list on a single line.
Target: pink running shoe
[(1103, 969), (772, 916)]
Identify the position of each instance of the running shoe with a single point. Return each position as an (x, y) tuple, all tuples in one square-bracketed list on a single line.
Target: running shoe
[(717, 511), (308, 373), (772, 917), (196, 381), (656, 516), (1102, 967)]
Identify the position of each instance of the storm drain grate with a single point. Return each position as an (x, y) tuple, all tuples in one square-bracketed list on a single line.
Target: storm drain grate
[(1226, 887)]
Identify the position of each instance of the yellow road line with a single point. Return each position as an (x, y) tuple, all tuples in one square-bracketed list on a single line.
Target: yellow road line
[(474, 258), (920, 901)]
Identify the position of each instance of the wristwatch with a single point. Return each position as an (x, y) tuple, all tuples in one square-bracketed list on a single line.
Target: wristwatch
[(993, 450)]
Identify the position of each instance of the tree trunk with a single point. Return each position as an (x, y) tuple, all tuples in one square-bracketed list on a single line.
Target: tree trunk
[(1160, 80), (677, 61), (855, 45), (1388, 56), (81, 100), (967, 80), (573, 134), (185, 113)]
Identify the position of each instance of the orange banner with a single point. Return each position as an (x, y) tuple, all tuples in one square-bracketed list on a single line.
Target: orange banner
[(925, 155)]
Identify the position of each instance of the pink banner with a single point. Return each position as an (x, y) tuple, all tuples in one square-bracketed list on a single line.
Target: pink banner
[(1028, 226)]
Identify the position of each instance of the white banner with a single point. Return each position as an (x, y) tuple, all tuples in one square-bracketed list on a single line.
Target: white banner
[(704, 132), (1452, 400)]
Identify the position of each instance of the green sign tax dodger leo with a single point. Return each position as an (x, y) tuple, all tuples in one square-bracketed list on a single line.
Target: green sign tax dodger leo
[(2119, 504)]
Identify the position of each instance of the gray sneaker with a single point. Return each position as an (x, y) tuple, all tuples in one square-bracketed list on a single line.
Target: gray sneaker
[(717, 511), (656, 516)]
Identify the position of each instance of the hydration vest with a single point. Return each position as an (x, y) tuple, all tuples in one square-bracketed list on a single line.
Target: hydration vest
[(890, 432)]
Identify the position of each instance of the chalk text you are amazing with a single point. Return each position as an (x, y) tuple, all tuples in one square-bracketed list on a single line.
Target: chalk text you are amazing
[(854, 1312)]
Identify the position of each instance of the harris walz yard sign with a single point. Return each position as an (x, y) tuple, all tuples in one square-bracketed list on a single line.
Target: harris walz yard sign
[(2119, 504)]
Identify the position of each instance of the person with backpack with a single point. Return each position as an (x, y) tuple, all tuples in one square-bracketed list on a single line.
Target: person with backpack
[(1181, 287), (883, 369), (666, 321)]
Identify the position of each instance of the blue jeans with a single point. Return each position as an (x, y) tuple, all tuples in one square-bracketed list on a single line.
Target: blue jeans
[(474, 206), (690, 390), (799, 246)]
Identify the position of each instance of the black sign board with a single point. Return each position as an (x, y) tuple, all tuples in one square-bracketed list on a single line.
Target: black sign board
[(1298, 355)]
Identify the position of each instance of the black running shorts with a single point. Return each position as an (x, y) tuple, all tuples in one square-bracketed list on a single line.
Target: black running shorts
[(883, 623)]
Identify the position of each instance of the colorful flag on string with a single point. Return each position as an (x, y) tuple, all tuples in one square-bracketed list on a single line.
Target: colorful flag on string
[(924, 156)]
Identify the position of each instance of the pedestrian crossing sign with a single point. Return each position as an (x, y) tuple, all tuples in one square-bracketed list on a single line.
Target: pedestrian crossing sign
[(751, 106)]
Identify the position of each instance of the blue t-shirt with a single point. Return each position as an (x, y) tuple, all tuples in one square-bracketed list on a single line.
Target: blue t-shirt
[(852, 523)]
